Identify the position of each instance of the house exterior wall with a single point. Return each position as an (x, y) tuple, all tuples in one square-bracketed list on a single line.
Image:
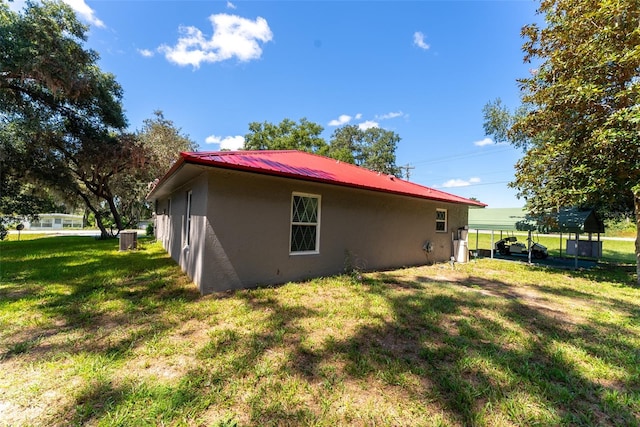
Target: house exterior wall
[(171, 226), (242, 224)]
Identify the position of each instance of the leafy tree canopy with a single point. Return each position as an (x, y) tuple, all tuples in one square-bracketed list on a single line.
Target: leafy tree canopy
[(60, 115), (287, 135), (164, 142), (373, 148), (579, 122)]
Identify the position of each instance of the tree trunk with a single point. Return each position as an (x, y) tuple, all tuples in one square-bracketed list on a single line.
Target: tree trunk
[(114, 212), (104, 234)]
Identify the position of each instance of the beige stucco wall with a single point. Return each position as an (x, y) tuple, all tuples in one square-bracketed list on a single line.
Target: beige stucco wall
[(241, 226)]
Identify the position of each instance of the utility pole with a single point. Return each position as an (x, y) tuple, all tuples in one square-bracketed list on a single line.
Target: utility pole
[(407, 168)]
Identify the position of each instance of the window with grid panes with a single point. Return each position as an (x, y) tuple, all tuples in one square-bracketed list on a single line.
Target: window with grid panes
[(305, 223), (441, 220)]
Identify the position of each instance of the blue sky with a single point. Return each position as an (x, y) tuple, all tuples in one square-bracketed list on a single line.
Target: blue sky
[(423, 69)]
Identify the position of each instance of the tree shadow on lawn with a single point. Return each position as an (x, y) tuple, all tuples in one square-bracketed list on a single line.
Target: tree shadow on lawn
[(447, 347), (78, 287), (230, 356), (467, 363)]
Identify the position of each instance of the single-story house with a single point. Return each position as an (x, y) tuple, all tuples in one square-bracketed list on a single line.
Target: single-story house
[(54, 221), (239, 219)]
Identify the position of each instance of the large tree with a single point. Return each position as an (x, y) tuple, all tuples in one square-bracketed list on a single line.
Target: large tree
[(163, 141), (579, 123), (63, 113), (373, 148), (287, 135)]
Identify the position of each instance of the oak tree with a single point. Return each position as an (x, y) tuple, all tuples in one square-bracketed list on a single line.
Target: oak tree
[(373, 148), (286, 135), (63, 114)]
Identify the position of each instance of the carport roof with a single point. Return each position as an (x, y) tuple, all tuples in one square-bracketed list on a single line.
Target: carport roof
[(576, 220), (505, 219), (310, 167), (569, 220)]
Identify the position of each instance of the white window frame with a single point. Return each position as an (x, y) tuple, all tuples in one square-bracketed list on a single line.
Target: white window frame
[(187, 220), (316, 250), (442, 221)]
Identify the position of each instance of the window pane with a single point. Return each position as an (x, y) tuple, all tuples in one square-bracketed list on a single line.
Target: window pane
[(305, 209), (440, 226), (303, 238)]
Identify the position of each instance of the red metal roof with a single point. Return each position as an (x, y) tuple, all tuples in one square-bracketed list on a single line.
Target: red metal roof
[(311, 167)]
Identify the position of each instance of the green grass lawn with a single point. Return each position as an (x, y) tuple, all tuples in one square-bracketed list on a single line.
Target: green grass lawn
[(93, 336)]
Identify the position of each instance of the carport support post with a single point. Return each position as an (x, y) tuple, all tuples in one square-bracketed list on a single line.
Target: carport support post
[(477, 234), (576, 248), (529, 244), (491, 244)]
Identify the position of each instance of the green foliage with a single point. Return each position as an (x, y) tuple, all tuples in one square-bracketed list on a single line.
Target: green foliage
[(497, 120), (150, 230), (373, 148), (287, 135), (621, 227), (59, 111), (580, 117), (583, 102), (164, 142), (61, 123)]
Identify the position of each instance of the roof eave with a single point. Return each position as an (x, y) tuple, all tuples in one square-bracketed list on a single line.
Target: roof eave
[(189, 158)]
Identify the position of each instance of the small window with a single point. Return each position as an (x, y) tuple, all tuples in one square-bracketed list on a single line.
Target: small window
[(188, 220), (441, 220), (58, 221), (305, 224)]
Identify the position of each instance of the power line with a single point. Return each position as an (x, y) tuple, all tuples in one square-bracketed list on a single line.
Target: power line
[(461, 156), (482, 183)]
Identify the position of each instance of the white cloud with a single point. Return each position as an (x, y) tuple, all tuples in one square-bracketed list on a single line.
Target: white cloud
[(358, 116), (146, 53), (368, 125), (391, 115), (88, 14), (483, 142), (233, 36), (227, 143), (342, 120), (230, 5), (418, 40), (460, 182)]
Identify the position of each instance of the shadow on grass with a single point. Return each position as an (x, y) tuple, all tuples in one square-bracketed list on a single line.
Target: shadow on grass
[(85, 286), (469, 349), (451, 344), (447, 350)]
